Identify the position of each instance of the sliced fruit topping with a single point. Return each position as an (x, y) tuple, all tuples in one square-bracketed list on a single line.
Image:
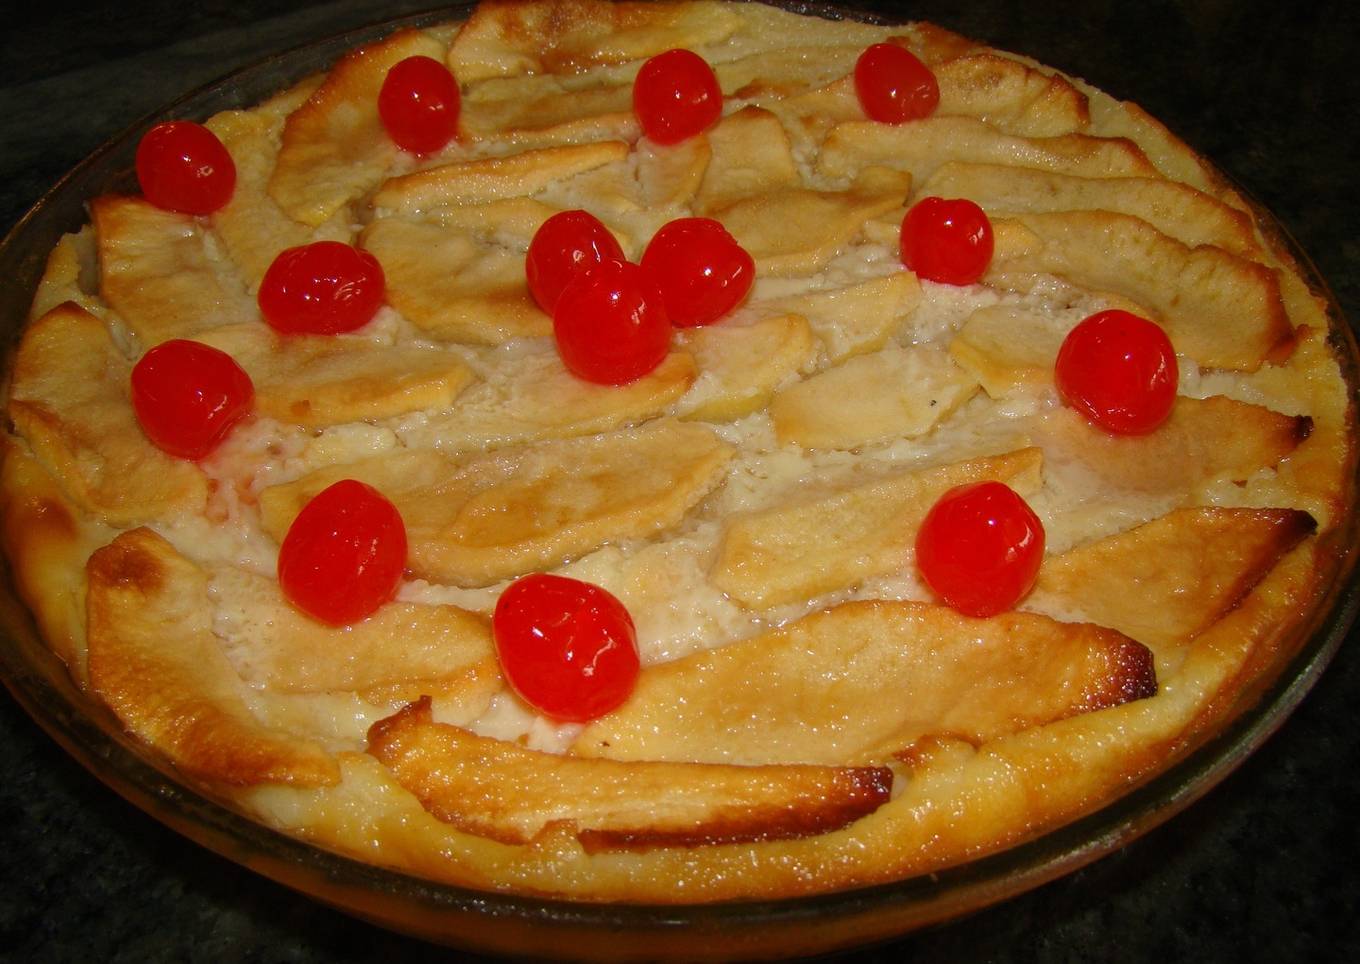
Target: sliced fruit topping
[(419, 104), (503, 791), (323, 288), (344, 554), (1119, 370), (183, 167), (567, 647), (187, 397), (979, 547), (949, 241), (567, 244), (611, 324), (700, 269), (894, 86), (676, 96)]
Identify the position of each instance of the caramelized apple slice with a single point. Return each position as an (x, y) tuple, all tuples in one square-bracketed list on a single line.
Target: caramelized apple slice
[(154, 660), (454, 284), (922, 146), (1012, 97), (402, 648), (530, 395), (865, 679), (334, 146), (741, 365), (513, 511), (69, 275), (1009, 348), (492, 178), (1222, 310), (252, 226), (567, 36), (156, 273), (894, 393), (500, 790), (1166, 581), (321, 380), (751, 155), (794, 552), (70, 401), (1177, 210)]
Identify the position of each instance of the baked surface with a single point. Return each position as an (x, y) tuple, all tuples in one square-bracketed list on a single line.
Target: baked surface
[(1203, 661)]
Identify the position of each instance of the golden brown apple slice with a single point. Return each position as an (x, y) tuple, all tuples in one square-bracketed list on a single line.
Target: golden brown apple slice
[(796, 231), (70, 400), (531, 395), (500, 790), (751, 155), (156, 273), (1009, 348), (154, 660), (856, 318), (492, 178), (323, 380), (795, 552), (510, 512), (922, 146), (1177, 210), (454, 284), (71, 274), (893, 393), (334, 146), (1222, 310), (861, 681), (47, 537), (1010, 96), (741, 365), (1166, 581), (252, 226), (403, 647), (567, 36)]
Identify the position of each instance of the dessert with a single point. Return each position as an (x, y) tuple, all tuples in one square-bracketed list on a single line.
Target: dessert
[(791, 450)]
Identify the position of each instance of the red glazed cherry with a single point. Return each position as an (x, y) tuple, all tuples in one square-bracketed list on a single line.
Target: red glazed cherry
[(611, 325), (182, 166), (419, 104), (700, 269), (979, 548), (894, 86), (675, 96), (344, 554), (323, 288), (563, 246), (567, 647), (949, 241), (187, 396), (1119, 370)]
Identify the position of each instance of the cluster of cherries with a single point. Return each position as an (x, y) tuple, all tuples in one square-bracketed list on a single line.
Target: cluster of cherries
[(568, 647)]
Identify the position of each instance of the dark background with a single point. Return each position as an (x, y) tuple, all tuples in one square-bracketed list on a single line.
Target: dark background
[(1262, 869)]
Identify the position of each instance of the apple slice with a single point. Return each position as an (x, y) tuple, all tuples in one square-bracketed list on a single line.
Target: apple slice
[(154, 660), (500, 790), (70, 401), (795, 552), (500, 515), (859, 682)]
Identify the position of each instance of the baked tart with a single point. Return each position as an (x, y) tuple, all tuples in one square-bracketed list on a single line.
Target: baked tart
[(674, 453)]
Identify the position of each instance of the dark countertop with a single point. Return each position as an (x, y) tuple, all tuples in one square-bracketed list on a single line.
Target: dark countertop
[(1262, 869)]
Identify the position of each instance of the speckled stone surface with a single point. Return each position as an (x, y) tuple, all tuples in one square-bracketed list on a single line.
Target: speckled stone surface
[(1262, 869)]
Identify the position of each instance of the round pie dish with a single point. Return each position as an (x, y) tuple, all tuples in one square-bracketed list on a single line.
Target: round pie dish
[(545, 927)]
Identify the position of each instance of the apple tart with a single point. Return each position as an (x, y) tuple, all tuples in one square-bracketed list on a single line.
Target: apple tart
[(752, 495)]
